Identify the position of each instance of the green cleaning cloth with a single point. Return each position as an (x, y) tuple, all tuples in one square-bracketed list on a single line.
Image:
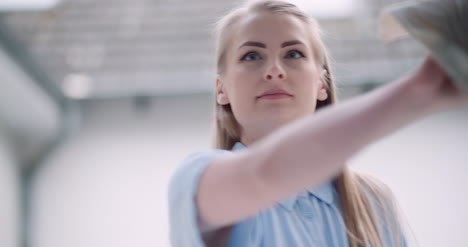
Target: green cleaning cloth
[(440, 25)]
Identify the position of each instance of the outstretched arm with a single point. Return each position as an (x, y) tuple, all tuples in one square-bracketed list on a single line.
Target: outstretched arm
[(311, 150)]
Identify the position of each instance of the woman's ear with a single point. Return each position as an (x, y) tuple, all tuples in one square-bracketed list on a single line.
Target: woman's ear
[(322, 93), (221, 96)]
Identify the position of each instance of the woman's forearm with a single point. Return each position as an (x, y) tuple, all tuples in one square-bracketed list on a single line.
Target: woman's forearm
[(315, 148)]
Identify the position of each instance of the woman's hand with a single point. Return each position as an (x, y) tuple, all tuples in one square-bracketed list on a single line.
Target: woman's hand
[(434, 89)]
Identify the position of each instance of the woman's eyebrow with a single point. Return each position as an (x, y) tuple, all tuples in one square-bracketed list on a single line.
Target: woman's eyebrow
[(291, 42), (262, 45), (253, 43)]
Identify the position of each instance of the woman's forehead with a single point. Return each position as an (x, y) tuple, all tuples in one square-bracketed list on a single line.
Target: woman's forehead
[(270, 28)]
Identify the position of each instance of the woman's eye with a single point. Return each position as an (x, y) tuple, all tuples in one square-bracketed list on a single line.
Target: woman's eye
[(250, 56), (294, 54)]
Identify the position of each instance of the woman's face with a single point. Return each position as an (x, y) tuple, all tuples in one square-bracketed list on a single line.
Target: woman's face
[(270, 76)]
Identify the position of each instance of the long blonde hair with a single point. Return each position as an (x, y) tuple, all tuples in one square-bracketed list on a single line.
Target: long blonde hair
[(356, 191)]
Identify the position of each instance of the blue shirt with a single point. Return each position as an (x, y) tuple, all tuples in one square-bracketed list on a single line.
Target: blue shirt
[(309, 218)]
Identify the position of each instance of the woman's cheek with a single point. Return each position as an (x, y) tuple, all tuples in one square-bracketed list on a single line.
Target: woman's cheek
[(299, 64), (251, 66)]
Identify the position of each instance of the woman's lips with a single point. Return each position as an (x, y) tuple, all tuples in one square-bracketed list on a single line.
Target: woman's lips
[(274, 94)]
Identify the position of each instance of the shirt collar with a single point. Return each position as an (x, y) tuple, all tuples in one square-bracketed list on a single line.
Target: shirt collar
[(238, 146), (324, 192)]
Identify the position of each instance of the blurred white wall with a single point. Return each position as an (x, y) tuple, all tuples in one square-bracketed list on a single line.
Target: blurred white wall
[(106, 186), (9, 193)]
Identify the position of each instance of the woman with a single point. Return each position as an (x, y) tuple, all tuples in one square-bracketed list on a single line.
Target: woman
[(278, 176)]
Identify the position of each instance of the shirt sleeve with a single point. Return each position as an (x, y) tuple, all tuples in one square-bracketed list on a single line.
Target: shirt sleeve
[(183, 213)]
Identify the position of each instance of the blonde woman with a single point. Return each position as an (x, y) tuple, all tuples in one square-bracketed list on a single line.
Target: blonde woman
[(278, 175)]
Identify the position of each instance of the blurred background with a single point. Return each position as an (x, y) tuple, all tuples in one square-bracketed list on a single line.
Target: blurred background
[(101, 100)]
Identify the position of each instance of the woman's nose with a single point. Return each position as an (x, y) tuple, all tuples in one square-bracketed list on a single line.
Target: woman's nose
[(275, 72)]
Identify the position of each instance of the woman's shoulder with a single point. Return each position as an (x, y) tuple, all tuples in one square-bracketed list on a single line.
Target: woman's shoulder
[(183, 215), (374, 185), (193, 164), (378, 193), (380, 197), (386, 209)]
